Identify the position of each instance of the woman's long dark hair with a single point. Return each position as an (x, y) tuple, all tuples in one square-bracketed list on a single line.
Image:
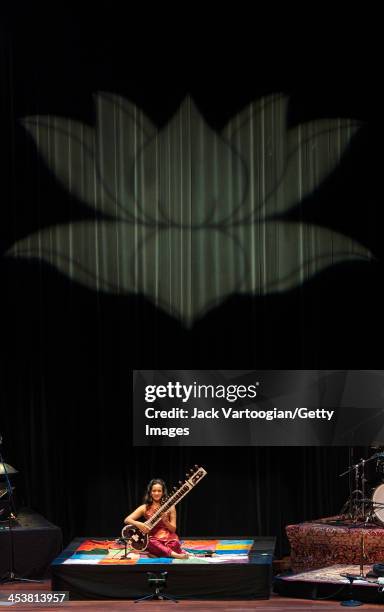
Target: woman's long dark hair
[(148, 497)]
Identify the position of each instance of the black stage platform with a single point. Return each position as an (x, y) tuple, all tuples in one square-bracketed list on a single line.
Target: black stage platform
[(36, 542), (101, 574)]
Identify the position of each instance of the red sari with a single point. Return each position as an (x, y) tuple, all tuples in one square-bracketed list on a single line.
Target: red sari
[(161, 541)]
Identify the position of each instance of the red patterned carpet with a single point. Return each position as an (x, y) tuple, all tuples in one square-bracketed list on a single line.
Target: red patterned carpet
[(334, 541)]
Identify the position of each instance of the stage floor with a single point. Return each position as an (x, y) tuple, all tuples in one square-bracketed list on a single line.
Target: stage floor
[(275, 604), (219, 568)]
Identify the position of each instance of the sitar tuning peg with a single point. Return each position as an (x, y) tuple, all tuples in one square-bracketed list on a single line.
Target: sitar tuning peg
[(196, 467), (180, 482)]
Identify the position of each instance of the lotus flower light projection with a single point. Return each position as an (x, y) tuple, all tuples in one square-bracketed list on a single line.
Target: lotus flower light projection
[(185, 215)]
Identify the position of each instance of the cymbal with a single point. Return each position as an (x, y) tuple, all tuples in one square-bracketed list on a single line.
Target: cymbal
[(9, 469)]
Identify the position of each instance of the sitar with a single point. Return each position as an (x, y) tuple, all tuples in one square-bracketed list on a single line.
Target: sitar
[(136, 539)]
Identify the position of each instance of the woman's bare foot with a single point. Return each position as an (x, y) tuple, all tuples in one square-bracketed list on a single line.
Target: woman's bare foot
[(183, 555)]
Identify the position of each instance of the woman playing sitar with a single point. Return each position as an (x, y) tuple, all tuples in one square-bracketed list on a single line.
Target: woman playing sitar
[(163, 540)]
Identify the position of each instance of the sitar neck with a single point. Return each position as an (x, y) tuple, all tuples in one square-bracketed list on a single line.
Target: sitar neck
[(174, 499)]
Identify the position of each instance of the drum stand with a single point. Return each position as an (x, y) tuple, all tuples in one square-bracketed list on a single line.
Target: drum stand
[(362, 512), (356, 506), (352, 507)]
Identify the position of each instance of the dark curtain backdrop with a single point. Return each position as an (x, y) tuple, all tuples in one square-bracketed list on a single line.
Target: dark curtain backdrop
[(67, 351)]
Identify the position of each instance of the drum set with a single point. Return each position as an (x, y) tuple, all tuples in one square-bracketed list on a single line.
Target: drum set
[(365, 503)]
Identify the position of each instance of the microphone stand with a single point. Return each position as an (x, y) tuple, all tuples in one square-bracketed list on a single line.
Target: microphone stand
[(10, 576)]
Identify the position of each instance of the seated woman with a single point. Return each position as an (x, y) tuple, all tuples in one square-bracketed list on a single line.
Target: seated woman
[(163, 540)]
